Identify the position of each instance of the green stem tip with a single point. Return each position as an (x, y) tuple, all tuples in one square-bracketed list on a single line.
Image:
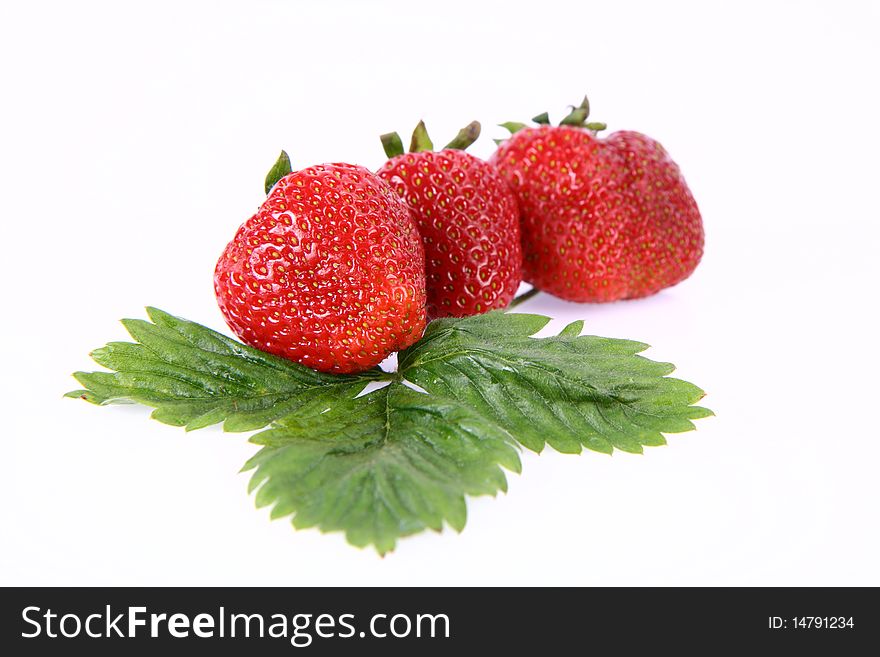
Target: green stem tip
[(280, 169), (585, 105), (392, 144), (576, 117), (522, 298), (420, 139), (512, 126), (421, 142), (542, 119), (465, 137)]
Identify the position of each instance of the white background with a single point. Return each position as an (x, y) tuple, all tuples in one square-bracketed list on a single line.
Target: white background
[(135, 138)]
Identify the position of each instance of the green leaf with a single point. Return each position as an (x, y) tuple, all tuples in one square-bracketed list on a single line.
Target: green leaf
[(382, 466), (465, 137), (391, 144), (280, 169), (195, 377), (585, 105), (576, 117), (542, 119), (568, 391), (512, 126), (420, 140), (396, 461)]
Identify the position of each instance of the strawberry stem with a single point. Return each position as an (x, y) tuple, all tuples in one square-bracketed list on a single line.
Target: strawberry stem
[(578, 115), (512, 126), (522, 298), (465, 137), (542, 119), (421, 142), (585, 105), (392, 144), (420, 139), (280, 169)]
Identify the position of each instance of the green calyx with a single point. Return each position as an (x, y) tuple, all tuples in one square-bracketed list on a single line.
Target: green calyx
[(465, 137), (392, 144), (420, 142), (542, 119), (513, 126), (280, 169), (577, 117)]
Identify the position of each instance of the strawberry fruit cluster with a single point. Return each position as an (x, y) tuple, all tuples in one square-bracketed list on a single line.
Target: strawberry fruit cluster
[(341, 267)]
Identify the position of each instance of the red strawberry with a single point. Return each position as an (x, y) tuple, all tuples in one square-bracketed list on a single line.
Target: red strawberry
[(468, 220), (329, 272), (602, 219)]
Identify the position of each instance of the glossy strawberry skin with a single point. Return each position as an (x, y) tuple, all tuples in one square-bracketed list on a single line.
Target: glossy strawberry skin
[(329, 272), (469, 222), (602, 219)]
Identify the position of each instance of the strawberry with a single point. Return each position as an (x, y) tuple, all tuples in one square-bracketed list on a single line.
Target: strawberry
[(329, 272), (467, 217), (602, 219)]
